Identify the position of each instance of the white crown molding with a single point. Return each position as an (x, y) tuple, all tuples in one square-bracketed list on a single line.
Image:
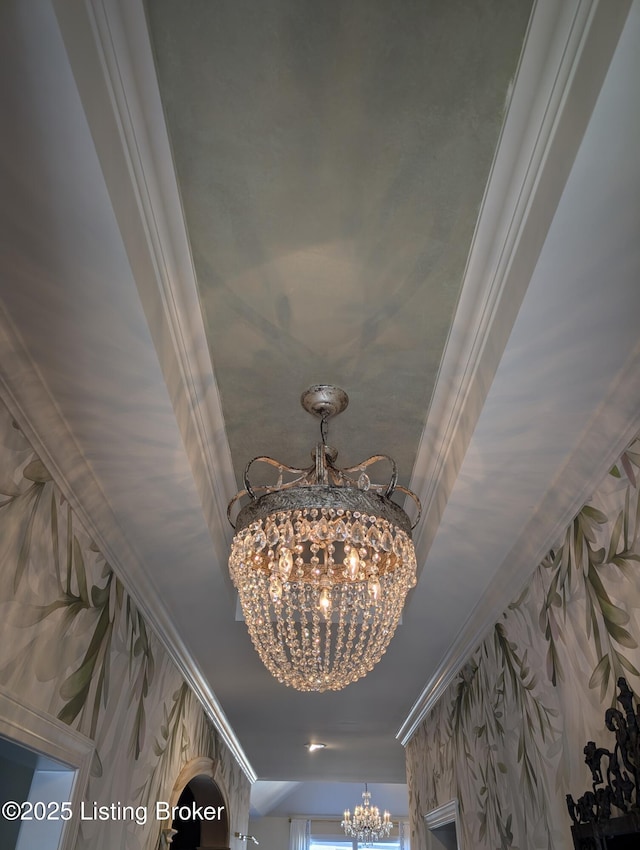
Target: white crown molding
[(22, 388), (552, 101), (111, 59), (550, 105), (110, 56), (579, 481)]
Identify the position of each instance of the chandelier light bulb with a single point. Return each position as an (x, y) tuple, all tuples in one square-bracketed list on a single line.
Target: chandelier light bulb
[(374, 589), (275, 589), (285, 562), (353, 564), (325, 600)]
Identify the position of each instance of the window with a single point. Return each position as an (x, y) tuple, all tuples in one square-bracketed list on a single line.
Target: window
[(332, 842)]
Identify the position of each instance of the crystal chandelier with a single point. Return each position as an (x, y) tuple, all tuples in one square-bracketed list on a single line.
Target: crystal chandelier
[(322, 562), (366, 824)]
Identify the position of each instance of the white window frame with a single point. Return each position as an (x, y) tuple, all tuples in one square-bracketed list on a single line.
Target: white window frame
[(338, 838)]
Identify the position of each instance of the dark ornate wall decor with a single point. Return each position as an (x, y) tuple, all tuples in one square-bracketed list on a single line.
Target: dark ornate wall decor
[(608, 816)]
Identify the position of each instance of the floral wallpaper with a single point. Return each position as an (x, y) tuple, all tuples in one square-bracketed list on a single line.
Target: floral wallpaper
[(506, 738), (73, 644)]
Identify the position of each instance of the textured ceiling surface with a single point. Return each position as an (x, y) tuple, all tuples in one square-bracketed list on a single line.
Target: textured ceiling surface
[(332, 158)]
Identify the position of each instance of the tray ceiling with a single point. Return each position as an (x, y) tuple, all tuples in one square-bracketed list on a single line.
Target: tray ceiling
[(209, 206)]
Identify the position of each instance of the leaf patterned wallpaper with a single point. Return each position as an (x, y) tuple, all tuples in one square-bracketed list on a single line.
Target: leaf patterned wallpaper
[(507, 737), (74, 645)]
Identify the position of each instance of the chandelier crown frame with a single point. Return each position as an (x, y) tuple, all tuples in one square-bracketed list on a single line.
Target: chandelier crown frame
[(323, 401)]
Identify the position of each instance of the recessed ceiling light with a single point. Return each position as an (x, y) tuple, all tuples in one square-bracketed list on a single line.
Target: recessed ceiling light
[(312, 747)]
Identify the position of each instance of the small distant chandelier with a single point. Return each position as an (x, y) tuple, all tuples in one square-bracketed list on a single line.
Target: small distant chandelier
[(367, 825), (322, 562)]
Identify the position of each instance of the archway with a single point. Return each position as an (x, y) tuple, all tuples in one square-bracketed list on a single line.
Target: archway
[(199, 810)]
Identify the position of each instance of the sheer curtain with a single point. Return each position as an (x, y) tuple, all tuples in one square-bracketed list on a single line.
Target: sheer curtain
[(299, 833), (404, 831)]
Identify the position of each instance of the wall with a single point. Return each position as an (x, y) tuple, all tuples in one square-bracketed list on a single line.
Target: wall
[(507, 736), (74, 645), (272, 833)]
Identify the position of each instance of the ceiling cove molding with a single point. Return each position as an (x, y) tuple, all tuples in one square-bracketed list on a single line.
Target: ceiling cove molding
[(111, 59), (266, 795), (23, 389), (548, 111), (571, 490)]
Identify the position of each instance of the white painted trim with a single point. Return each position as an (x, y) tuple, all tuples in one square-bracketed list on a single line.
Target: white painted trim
[(47, 735), (110, 54), (551, 102), (554, 96), (444, 814), (23, 388), (538, 536)]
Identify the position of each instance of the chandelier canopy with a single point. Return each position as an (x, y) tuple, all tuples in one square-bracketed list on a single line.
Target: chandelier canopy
[(366, 825), (322, 562)]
